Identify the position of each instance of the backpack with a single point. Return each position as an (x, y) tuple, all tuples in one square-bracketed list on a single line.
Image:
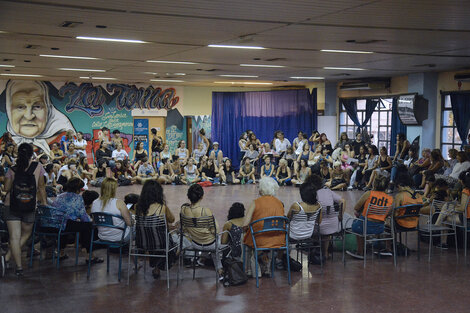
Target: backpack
[(234, 274), (23, 191)]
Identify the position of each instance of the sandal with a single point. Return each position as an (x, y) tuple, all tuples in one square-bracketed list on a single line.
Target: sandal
[(95, 260)]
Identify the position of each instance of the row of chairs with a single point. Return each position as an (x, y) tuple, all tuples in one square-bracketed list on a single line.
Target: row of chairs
[(153, 239)]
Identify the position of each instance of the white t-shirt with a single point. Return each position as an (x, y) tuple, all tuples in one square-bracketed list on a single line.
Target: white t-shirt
[(120, 155), (281, 146), (106, 233), (80, 146), (459, 168)]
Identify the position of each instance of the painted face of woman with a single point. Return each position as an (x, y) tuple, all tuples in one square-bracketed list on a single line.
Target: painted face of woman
[(28, 112)]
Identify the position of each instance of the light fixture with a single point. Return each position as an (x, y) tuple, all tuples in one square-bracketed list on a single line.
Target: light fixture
[(6, 65), (80, 69), (262, 65), (150, 73), (347, 51), (344, 68), (237, 47), (167, 80), (21, 75), (100, 78), (110, 39), (177, 74), (307, 77), (67, 57), (240, 76), (243, 83), (171, 62)]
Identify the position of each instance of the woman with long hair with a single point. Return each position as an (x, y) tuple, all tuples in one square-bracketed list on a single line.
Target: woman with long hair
[(152, 203), (20, 221), (107, 203)]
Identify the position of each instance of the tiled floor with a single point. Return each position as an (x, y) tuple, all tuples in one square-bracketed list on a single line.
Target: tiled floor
[(414, 286)]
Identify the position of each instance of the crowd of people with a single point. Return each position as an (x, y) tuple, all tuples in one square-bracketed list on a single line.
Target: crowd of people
[(311, 163)]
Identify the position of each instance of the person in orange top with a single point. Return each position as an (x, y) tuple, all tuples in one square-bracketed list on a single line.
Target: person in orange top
[(406, 196), (375, 223), (265, 206)]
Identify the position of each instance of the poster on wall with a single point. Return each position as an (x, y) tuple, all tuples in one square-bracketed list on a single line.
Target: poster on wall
[(175, 129), (141, 133), (200, 122), (40, 112)]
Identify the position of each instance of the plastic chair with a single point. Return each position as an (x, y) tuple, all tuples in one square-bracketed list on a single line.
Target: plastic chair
[(105, 220), (409, 211), (203, 222), (307, 242), (152, 240), (431, 230), (464, 225), (48, 223), (270, 224), (376, 210)]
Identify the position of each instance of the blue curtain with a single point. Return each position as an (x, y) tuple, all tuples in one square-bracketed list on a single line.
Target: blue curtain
[(264, 112), (350, 105), (313, 99), (371, 104), (460, 103), (397, 127)]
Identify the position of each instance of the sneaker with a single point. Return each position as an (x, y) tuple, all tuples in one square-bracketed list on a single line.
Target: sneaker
[(350, 188), (385, 253), (224, 184), (354, 255), (443, 246), (250, 181)]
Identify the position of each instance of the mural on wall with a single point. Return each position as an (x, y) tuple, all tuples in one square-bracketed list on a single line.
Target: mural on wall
[(40, 112), (200, 122), (175, 129)]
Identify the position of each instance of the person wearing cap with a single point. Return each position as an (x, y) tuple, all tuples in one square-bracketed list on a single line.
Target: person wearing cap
[(216, 154)]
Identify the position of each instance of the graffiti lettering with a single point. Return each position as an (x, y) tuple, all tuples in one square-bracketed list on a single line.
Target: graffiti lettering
[(129, 97), (85, 98)]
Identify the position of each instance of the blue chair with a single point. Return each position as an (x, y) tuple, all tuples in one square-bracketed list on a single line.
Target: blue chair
[(105, 220), (48, 223), (270, 224)]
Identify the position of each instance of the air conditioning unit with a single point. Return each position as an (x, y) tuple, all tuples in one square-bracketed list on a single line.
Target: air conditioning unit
[(463, 77), (365, 85)]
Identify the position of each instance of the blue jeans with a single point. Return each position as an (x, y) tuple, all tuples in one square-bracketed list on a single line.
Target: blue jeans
[(373, 228), (393, 174)]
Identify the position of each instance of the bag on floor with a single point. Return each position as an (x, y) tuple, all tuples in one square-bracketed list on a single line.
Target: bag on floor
[(234, 274), (295, 266)]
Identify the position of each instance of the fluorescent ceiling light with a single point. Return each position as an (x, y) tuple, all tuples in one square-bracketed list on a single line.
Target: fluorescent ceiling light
[(22, 75), (150, 73), (177, 74), (6, 65), (307, 77), (347, 51), (344, 68), (100, 78), (167, 80), (262, 65), (236, 47), (67, 57), (171, 62), (243, 83), (110, 39), (234, 75), (80, 69)]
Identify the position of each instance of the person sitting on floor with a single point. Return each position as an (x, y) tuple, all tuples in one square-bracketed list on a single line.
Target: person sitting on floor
[(268, 169), (302, 173), (283, 174), (337, 178), (191, 173), (227, 173), (234, 229), (152, 203), (145, 171), (210, 172), (266, 205), (375, 224), (166, 172), (247, 172)]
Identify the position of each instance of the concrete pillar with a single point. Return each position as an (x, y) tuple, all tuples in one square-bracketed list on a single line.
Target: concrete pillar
[(425, 84), (328, 123)]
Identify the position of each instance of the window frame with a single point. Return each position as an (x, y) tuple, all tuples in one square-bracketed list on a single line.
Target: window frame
[(446, 107)]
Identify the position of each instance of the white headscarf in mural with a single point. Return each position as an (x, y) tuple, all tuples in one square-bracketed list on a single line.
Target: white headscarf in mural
[(56, 123)]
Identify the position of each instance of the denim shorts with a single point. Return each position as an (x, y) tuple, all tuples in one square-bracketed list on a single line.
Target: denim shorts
[(373, 228), (10, 215)]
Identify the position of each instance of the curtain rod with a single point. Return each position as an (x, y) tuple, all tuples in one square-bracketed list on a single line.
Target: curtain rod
[(380, 96), (444, 93)]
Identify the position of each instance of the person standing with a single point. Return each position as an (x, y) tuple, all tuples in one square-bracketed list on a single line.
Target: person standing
[(21, 206)]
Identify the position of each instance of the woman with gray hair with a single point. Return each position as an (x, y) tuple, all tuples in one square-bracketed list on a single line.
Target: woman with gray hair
[(266, 205)]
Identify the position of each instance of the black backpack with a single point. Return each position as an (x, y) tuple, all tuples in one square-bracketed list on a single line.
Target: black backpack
[(233, 272), (23, 190)]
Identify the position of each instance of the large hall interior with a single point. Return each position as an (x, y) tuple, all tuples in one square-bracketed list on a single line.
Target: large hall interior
[(234, 156)]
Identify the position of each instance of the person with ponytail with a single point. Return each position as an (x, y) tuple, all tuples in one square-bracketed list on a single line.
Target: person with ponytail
[(19, 220)]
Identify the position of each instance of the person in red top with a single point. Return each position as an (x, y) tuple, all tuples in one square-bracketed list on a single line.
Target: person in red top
[(375, 223), (265, 206)]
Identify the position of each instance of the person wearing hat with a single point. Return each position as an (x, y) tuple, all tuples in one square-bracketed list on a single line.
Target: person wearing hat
[(216, 154)]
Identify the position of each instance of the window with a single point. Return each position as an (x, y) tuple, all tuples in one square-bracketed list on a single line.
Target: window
[(450, 138), (379, 126)]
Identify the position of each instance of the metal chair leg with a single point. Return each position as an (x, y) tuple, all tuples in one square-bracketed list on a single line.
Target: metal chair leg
[(58, 252), (256, 268), (107, 260), (89, 259), (32, 251), (77, 244), (120, 263)]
